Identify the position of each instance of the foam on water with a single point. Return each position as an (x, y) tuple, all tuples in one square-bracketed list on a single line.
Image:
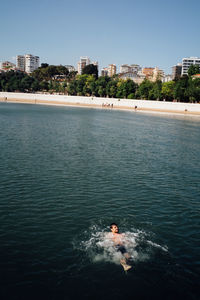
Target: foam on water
[(98, 245)]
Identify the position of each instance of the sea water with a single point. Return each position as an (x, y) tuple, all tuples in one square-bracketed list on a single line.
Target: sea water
[(67, 173)]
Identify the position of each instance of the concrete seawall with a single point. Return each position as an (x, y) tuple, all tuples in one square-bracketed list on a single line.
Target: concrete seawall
[(112, 103)]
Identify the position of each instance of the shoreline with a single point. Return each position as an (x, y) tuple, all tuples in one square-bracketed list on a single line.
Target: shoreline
[(145, 106)]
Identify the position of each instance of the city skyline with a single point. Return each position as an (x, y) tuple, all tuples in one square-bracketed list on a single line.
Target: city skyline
[(148, 34), (28, 63)]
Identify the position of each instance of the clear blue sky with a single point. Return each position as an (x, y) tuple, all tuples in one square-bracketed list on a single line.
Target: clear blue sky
[(150, 33)]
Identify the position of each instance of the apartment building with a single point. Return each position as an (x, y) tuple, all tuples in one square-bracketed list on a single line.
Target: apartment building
[(31, 63), (83, 62), (27, 63), (133, 76), (148, 72), (130, 68), (109, 71), (167, 78), (196, 76), (20, 59), (124, 68), (104, 72), (187, 62), (112, 70), (158, 74), (176, 71), (153, 74), (70, 68), (7, 66), (135, 68)]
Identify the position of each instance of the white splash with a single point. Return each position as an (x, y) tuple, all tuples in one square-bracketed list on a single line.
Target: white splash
[(99, 246)]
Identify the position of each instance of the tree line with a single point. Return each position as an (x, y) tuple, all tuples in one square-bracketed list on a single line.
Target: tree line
[(58, 79)]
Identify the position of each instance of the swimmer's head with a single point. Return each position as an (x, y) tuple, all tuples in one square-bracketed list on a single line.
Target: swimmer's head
[(114, 228)]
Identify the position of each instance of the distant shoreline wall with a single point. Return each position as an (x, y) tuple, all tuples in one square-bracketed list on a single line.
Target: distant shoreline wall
[(112, 103)]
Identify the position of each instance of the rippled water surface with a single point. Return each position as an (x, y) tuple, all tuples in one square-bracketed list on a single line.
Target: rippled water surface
[(67, 173)]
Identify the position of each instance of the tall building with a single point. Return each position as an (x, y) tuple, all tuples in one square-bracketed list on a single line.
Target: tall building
[(84, 61), (176, 71), (20, 59), (112, 70), (27, 63), (187, 62), (31, 63)]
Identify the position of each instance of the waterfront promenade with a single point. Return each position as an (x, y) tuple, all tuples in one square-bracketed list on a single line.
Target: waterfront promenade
[(105, 103)]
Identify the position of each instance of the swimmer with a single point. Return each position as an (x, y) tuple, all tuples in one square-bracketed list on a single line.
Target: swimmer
[(118, 243)]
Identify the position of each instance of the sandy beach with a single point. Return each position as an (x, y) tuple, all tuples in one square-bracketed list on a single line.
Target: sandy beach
[(103, 103)]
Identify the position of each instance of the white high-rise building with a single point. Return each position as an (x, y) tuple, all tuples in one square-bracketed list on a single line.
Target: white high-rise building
[(31, 63), (187, 62), (27, 63), (84, 61)]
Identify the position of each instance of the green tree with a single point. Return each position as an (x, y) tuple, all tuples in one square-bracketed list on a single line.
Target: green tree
[(61, 70), (126, 88), (180, 89), (193, 69), (101, 84), (131, 96), (90, 86), (44, 85), (72, 88), (26, 82), (72, 75), (130, 88), (3, 84), (193, 90), (168, 90), (144, 89), (46, 72), (156, 92), (111, 88), (80, 83), (90, 70), (35, 86), (44, 65), (101, 91)]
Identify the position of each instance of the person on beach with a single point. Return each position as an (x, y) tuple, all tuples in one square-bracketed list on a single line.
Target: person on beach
[(117, 239)]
